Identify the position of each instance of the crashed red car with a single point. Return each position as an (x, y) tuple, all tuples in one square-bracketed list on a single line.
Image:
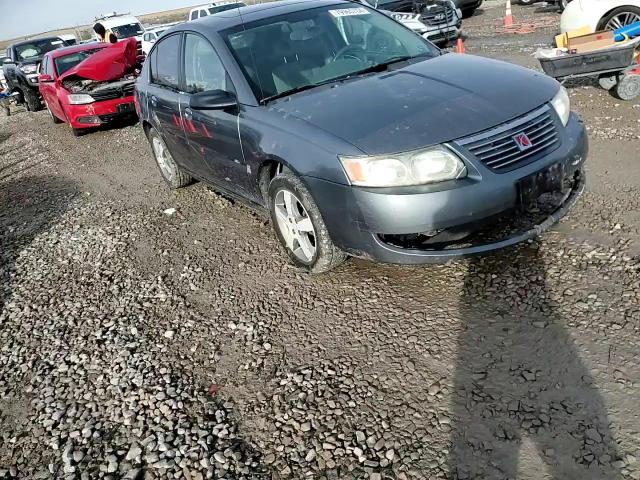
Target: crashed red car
[(90, 85)]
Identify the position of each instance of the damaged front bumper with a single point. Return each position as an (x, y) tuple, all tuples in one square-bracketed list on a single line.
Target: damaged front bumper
[(442, 32), (438, 222), (99, 113)]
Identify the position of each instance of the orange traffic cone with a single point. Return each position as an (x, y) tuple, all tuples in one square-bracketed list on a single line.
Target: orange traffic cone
[(459, 45), (508, 17)]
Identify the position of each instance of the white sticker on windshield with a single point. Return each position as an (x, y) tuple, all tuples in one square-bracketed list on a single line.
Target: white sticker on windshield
[(347, 12)]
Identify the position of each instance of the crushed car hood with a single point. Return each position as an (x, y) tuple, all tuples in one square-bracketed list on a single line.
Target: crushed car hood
[(422, 104), (108, 64)]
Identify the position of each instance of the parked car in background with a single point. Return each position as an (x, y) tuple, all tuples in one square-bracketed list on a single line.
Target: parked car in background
[(21, 69), (358, 136), (3, 84), (90, 85), (150, 37), (436, 20), (599, 14), (123, 26), (211, 8), (69, 39)]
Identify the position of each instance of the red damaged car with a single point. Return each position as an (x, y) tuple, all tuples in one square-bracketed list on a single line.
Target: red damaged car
[(90, 85)]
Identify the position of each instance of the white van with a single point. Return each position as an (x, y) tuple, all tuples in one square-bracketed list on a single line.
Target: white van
[(211, 8), (123, 26)]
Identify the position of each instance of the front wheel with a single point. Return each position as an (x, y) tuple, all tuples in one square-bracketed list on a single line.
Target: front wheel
[(32, 100), (468, 12), (620, 17), (628, 87), (299, 225)]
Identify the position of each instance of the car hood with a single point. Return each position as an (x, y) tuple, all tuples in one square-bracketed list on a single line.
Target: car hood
[(108, 64), (421, 104)]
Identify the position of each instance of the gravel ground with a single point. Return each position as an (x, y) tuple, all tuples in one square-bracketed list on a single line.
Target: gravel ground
[(141, 342)]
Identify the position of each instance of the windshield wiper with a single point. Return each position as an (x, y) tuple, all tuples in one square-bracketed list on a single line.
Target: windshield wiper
[(379, 67)]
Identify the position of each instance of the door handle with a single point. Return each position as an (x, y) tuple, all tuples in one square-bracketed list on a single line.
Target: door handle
[(154, 101), (188, 113)]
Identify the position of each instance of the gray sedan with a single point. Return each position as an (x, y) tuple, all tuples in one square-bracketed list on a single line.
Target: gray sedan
[(358, 136)]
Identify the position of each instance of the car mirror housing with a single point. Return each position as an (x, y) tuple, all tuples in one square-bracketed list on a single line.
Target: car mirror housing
[(213, 100), (45, 78)]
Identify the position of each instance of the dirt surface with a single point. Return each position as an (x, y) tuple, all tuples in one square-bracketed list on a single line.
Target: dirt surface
[(140, 343)]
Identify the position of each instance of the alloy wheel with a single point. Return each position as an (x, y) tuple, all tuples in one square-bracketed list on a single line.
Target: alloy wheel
[(163, 157), (622, 20), (295, 226)]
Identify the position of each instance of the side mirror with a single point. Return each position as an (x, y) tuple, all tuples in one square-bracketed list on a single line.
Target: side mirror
[(45, 78), (8, 61), (213, 100)]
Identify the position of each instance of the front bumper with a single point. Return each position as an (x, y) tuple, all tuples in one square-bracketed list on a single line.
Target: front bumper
[(436, 33), (99, 113), (357, 218)]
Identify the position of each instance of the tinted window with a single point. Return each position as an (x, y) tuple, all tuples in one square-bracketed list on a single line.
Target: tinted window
[(164, 64), (203, 69), (203, 13), (194, 15)]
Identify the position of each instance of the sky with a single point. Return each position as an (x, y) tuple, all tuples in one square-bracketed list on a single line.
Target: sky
[(24, 17)]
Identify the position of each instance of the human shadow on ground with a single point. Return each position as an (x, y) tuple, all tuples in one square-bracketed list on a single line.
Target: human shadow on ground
[(29, 205), (518, 375)]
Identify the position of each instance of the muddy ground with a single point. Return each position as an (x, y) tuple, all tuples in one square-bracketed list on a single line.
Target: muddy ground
[(138, 344)]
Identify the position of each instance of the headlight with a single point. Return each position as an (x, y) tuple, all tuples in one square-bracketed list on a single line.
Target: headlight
[(562, 105), (80, 99), (420, 167), (29, 68)]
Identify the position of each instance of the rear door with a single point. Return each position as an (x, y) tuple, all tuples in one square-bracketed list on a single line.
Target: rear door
[(164, 99), (48, 89), (212, 134)]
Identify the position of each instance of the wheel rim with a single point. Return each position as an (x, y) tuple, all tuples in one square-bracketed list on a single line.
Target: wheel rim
[(622, 20), (163, 157), (295, 226)]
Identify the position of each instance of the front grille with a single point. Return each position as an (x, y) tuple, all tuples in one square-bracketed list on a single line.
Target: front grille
[(438, 16), (114, 93), (497, 149)]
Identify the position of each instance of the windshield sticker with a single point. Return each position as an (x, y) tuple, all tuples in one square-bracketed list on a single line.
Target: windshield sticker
[(348, 12)]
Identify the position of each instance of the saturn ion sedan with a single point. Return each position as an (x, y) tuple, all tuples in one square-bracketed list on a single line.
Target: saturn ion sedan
[(358, 136)]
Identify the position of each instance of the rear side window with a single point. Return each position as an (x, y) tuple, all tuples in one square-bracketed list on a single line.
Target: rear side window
[(165, 70), (203, 13), (194, 15), (203, 70)]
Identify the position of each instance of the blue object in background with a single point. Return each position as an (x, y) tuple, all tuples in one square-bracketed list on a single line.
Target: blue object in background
[(630, 31)]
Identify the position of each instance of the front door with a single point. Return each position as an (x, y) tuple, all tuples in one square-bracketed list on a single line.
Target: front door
[(163, 98), (212, 134)]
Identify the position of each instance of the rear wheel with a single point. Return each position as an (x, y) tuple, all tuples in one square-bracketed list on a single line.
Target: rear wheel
[(526, 2), (299, 225), (172, 173), (32, 100), (628, 87), (620, 17)]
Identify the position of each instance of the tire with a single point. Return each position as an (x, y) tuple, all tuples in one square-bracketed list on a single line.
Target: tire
[(625, 16), (526, 2), (320, 252), (32, 100), (172, 173), (628, 87), (607, 81), (468, 12), (77, 132), (54, 119)]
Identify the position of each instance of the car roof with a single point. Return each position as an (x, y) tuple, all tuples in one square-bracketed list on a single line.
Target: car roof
[(39, 39), (76, 48), (234, 17)]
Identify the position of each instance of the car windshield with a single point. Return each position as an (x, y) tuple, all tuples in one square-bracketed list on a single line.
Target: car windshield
[(288, 53), (37, 48), (225, 7), (126, 31), (67, 62)]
